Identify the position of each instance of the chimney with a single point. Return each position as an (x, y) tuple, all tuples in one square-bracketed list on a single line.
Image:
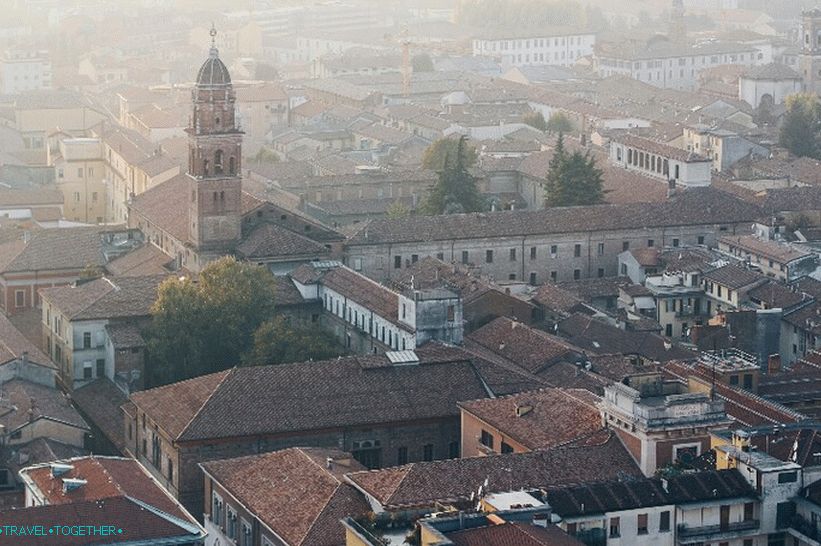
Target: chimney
[(24, 357), (329, 463), (671, 188), (774, 364)]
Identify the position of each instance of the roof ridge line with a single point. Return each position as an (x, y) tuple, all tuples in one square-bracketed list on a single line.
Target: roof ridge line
[(205, 402)]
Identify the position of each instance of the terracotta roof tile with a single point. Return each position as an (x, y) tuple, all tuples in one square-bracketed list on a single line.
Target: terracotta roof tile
[(513, 534), (691, 207), (423, 484), (139, 524), (288, 398), (540, 419), (293, 492)]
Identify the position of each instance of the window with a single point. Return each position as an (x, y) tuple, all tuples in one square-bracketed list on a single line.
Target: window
[(506, 448), (20, 298), (577, 251), (486, 439), (246, 534), (216, 508), (489, 256), (397, 262), (625, 246), (788, 477), (600, 272), (533, 253), (554, 250), (748, 511), (440, 256), (651, 243), (453, 450), (427, 452), (465, 257), (414, 258), (533, 279), (402, 455), (86, 340), (170, 470), (615, 530), (601, 249), (577, 274), (734, 380), (641, 524), (675, 242), (664, 521), (101, 367), (512, 254), (87, 370), (553, 276), (701, 239)]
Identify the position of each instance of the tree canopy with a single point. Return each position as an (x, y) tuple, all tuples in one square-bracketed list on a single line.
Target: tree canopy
[(559, 123), (422, 63), (573, 179), (279, 340), (455, 190), (435, 155), (204, 326), (536, 120), (801, 130)]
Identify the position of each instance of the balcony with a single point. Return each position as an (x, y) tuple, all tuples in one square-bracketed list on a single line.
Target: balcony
[(804, 530), (709, 533)]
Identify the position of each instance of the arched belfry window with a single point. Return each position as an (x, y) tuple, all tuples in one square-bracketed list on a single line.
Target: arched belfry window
[(218, 162), (232, 165), (205, 167)]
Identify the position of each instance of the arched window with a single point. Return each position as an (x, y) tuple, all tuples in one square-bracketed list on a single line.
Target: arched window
[(222, 196), (232, 167), (205, 167), (218, 162)]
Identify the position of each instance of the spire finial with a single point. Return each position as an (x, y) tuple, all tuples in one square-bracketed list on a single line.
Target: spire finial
[(213, 34)]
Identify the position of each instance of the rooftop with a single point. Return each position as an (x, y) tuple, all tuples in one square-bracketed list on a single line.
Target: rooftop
[(105, 297), (299, 493), (290, 398), (690, 207), (540, 419), (455, 480)]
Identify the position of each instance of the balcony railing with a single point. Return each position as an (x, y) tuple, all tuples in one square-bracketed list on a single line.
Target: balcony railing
[(806, 528), (713, 531)]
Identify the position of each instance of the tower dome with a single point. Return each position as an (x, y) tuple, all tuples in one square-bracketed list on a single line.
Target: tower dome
[(213, 71)]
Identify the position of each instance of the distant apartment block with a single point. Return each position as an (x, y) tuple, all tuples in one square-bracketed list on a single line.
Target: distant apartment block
[(670, 65), (559, 47), (23, 70)]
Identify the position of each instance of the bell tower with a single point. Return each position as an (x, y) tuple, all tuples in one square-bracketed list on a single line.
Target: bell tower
[(809, 59), (214, 160)]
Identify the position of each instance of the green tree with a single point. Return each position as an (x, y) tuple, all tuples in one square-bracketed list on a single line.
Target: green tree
[(265, 155), (434, 157), (573, 178), (278, 341), (559, 123), (536, 120), (422, 63), (801, 130), (455, 190), (397, 210), (205, 326)]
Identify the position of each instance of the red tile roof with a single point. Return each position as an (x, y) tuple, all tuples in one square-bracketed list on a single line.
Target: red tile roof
[(513, 534), (105, 477), (743, 406), (540, 419), (293, 492), (424, 484)]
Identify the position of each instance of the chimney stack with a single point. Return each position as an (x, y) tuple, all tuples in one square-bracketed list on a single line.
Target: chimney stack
[(774, 364)]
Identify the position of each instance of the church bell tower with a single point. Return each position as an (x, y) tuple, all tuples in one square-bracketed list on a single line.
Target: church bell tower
[(214, 160)]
